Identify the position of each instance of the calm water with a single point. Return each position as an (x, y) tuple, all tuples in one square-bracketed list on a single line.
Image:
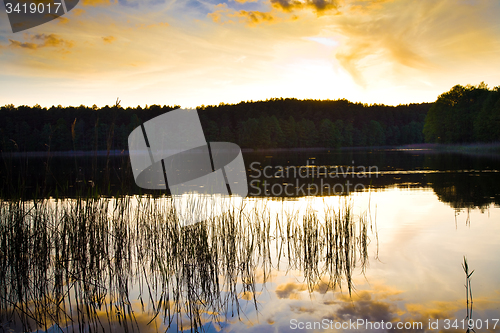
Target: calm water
[(389, 251)]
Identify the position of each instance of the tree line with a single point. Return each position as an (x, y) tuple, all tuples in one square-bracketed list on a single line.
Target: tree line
[(464, 114), (60, 128), (290, 123), (275, 123)]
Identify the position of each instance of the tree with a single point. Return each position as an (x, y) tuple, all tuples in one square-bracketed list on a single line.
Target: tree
[(487, 122), (329, 134), (226, 134), (376, 136), (457, 116), (306, 133), (62, 136), (212, 131), (288, 128), (276, 134)]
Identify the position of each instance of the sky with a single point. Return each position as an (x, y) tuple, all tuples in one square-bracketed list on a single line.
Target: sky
[(206, 52)]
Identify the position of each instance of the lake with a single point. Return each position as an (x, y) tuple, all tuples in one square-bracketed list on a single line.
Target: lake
[(367, 240)]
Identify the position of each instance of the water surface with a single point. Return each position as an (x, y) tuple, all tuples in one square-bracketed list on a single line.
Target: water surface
[(392, 251)]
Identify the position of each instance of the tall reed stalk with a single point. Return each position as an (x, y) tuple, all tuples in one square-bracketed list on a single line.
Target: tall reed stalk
[(92, 263), (468, 294)]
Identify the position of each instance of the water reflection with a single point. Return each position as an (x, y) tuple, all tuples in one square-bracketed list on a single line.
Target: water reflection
[(126, 265), (418, 277), (98, 263), (462, 181), (88, 264)]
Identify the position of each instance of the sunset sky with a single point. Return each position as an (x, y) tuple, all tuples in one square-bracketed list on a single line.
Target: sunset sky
[(194, 52)]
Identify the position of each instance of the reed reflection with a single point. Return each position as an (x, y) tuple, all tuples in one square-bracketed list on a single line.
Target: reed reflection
[(90, 264)]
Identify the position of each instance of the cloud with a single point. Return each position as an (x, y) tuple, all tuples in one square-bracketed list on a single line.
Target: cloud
[(224, 14), (221, 10), (392, 38), (318, 6), (95, 3), (78, 11), (324, 285), (385, 50), (249, 295), (303, 309), (40, 41), (372, 40), (434, 310), (365, 6), (371, 305), (245, 1), (254, 17), (281, 11), (60, 19), (363, 306), (287, 5), (109, 39), (323, 5), (289, 290), (26, 45)]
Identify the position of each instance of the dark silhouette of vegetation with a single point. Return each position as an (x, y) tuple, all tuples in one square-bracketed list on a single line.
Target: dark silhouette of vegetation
[(463, 115), (474, 189), (71, 128), (292, 123), (127, 264), (275, 123), (460, 180)]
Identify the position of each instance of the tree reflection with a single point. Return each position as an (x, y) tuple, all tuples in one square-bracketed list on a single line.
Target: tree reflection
[(464, 181)]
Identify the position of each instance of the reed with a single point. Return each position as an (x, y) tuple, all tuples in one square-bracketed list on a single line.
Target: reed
[(468, 294), (94, 262)]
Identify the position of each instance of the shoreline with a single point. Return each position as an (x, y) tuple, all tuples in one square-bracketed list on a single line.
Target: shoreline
[(468, 148), (473, 149), (114, 153)]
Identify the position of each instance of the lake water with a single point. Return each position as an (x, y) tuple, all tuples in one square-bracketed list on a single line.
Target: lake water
[(384, 256)]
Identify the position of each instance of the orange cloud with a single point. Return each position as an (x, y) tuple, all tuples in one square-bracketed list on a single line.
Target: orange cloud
[(78, 11), (249, 295), (318, 6), (223, 15), (62, 20), (26, 45), (254, 17), (394, 38), (95, 3), (219, 13), (40, 41), (434, 310), (363, 305), (108, 39), (289, 290)]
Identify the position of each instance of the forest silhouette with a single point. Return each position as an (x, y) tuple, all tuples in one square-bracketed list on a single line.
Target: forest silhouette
[(276, 123), (463, 114)]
